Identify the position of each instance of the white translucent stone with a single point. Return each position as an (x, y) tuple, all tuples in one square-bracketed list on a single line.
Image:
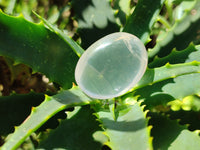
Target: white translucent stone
[(111, 66)]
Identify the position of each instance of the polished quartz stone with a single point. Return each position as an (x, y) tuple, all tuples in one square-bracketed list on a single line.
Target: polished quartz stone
[(111, 66)]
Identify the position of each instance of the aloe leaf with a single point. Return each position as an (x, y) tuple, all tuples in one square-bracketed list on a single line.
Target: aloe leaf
[(15, 108), (170, 135), (21, 105), (75, 47), (54, 15), (123, 5), (42, 113), (4, 3), (189, 54), (189, 118), (169, 90), (194, 55), (143, 18), (129, 131), (192, 138), (182, 29), (26, 8), (95, 18), (175, 83), (188, 86), (11, 6), (183, 6), (79, 127), (188, 103), (123, 9), (43, 50), (168, 71)]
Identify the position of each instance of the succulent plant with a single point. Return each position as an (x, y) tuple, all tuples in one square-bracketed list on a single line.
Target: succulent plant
[(160, 111)]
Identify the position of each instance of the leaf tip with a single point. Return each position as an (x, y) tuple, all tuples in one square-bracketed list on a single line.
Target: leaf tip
[(116, 12), (167, 65), (197, 132), (16, 63), (21, 16), (16, 127), (47, 98), (73, 85), (41, 23), (195, 63), (33, 109), (173, 50)]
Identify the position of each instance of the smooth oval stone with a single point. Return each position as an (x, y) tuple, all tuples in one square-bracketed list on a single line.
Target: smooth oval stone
[(111, 66)]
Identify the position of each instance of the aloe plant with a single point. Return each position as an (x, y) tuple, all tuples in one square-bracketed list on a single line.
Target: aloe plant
[(160, 112)]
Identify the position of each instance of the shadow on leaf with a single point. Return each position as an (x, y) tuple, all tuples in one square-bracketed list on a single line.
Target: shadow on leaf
[(125, 125), (95, 19), (74, 133)]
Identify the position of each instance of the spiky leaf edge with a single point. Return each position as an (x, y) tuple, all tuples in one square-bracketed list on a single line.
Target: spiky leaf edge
[(40, 114)]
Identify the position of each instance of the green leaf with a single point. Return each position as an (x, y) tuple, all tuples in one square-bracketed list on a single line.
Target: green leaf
[(26, 8), (190, 140), (74, 133), (189, 54), (11, 6), (171, 82), (191, 102), (129, 131), (190, 118), (174, 93), (45, 51), (143, 18), (170, 135), (123, 5), (15, 108), (42, 113), (122, 8), (169, 90), (168, 71), (95, 18), (74, 46), (183, 6), (179, 36)]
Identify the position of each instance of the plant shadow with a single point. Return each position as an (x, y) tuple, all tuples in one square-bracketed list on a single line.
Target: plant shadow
[(153, 96), (164, 131), (95, 19), (74, 133), (125, 126)]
